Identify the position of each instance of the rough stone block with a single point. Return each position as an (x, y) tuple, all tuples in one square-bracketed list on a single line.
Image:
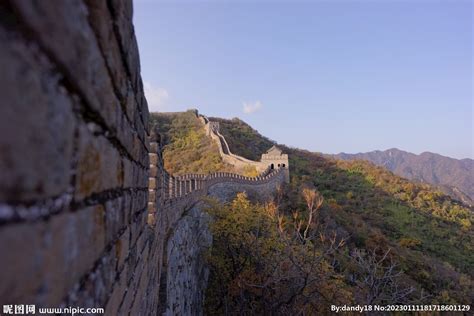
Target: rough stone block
[(128, 173), (152, 183), (138, 226), (151, 196), (151, 220), (107, 270), (102, 24), (117, 296), (138, 124), (139, 151), (115, 218), (22, 248), (93, 290), (35, 141), (139, 203), (127, 302), (141, 243), (75, 241), (121, 247), (153, 147), (127, 198), (99, 166), (153, 171), (122, 12), (140, 297), (63, 27), (142, 178)]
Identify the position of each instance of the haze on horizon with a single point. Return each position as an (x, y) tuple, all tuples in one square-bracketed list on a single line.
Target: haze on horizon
[(339, 76)]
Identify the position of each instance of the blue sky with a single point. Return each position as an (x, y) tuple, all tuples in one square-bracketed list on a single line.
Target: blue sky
[(327, 76)]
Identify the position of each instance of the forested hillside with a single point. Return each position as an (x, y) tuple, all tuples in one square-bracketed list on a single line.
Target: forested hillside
[(241, 138), (187, 149), (453, 176), (429, 235), (341, 231)]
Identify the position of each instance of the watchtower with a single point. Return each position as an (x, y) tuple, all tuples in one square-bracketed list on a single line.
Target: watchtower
[(276, 159)]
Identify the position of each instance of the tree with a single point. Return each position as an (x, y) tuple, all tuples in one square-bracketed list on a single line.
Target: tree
[(259, 267), (379, 277), (314, 201)]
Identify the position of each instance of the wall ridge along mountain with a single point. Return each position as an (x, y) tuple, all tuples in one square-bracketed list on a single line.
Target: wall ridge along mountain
[(274, 157), (175, 205)]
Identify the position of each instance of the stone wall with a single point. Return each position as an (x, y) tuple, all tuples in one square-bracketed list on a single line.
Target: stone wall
[(259, 192), (183, 223), (187, 271), (240, 163), (176, 208), (184, 238), (87, 217), (73, 158)]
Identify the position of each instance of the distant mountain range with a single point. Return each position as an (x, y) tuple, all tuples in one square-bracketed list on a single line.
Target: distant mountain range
[(453, 176)]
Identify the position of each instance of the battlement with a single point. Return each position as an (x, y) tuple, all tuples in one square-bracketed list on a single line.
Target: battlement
[(165, 188), (272, 159)]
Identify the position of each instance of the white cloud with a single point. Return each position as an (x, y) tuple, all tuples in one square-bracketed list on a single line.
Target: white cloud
[(252, 107), (156, 97)]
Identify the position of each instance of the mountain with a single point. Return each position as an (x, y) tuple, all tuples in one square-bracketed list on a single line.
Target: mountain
[(453, 176), (187, 149), (429, 235)]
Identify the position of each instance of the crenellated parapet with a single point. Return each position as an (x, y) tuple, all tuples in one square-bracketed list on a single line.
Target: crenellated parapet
[(174, 210), (167, 189), (274, 158)]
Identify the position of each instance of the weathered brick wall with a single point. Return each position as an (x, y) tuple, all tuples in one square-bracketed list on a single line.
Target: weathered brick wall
[(260, 191), (84, 220), (176, 213), (187, 271), (183, 234), (73, 158), (184, 273)]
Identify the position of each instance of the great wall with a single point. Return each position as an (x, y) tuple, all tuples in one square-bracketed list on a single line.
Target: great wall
[(175, 205), (274, 157), (88, 215)]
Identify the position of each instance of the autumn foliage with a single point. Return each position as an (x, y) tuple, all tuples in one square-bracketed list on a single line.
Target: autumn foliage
[(262, 264)]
